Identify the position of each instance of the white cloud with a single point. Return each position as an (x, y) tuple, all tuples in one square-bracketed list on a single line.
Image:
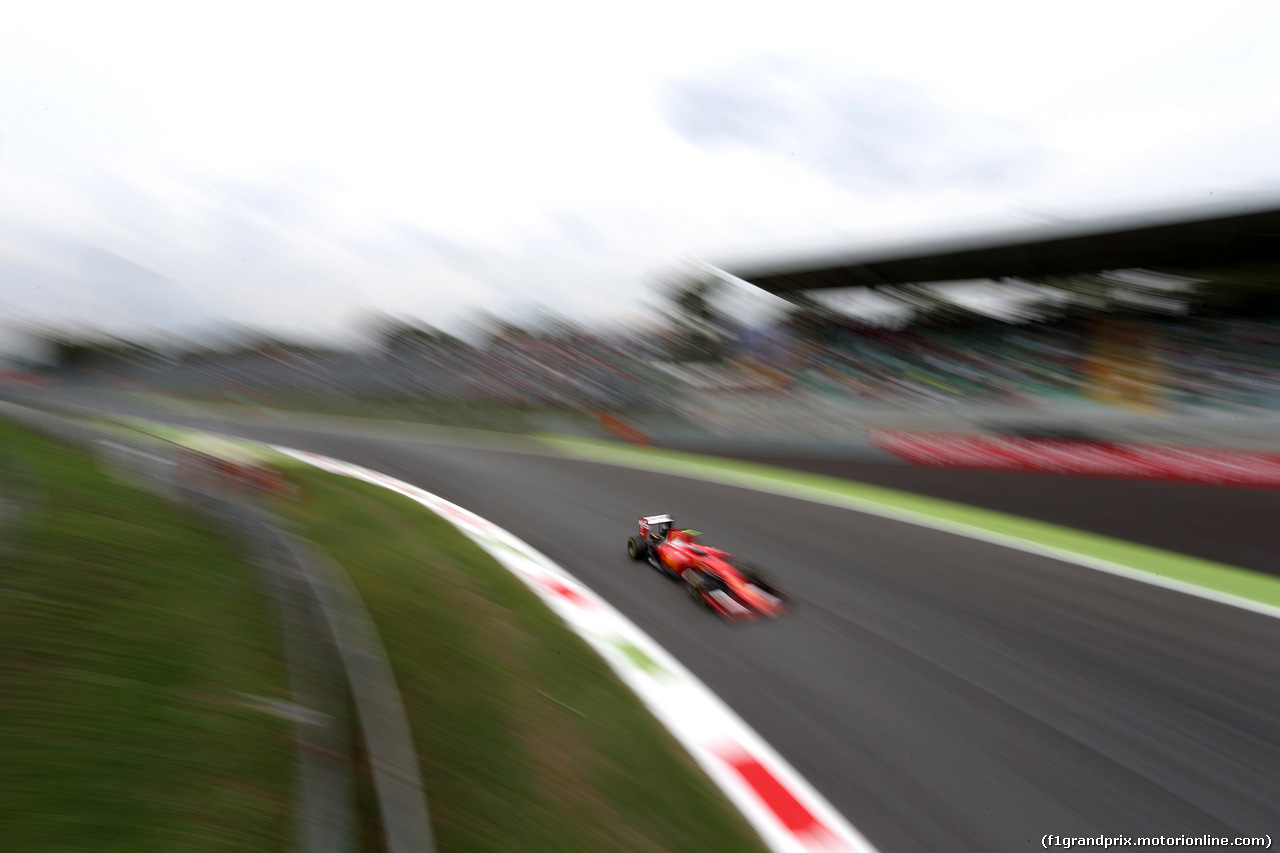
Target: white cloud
[(288, 165), (867, 133)]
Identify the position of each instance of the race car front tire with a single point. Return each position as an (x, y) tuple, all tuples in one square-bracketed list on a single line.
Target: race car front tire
[(695, 585)]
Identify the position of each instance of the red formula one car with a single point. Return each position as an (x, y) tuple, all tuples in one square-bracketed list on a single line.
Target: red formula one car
[(714, 578)]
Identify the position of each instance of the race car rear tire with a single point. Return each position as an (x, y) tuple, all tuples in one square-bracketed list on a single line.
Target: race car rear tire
[(637, 548)]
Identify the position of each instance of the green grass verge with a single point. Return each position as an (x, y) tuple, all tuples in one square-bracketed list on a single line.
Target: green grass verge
[(128, 632), (1232, 580), (488, 416), (527, 740)]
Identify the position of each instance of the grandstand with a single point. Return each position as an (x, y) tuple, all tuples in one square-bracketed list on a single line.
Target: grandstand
[(1151, 350)]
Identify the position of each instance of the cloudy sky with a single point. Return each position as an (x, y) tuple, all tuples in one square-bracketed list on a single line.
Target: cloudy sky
[(293, 166)]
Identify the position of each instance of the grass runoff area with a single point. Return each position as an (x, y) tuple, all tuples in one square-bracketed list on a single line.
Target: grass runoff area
[(129, 636), (527, 741), (128, 631)]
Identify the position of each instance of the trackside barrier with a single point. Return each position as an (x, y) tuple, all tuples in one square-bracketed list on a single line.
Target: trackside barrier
[(380, 712), (324, 807), (788, 813), (331, 646), (1082, 457)]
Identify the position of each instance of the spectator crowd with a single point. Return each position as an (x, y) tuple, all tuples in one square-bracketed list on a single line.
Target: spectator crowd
[(1170, 363)]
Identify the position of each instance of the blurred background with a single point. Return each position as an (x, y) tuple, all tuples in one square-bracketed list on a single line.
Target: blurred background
[(451, 213), (718, 357)]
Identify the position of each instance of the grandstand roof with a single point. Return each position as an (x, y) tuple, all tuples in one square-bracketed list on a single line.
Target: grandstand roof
[(1155, 241)]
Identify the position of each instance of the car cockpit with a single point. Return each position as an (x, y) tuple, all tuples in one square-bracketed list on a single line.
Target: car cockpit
[(658, 526)]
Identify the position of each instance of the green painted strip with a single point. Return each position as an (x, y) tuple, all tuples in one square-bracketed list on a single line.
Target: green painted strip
[(638, 657), (1160, 565)]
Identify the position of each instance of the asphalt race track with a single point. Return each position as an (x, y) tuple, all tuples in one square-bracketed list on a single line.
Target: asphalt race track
[(943, 693), (1236, 526)]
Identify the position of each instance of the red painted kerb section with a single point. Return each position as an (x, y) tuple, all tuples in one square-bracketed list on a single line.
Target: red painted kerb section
[(789, 810), (1082, 457)]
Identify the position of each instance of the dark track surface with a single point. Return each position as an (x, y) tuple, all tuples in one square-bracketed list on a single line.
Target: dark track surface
[(1236, 526), (943, 693)]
